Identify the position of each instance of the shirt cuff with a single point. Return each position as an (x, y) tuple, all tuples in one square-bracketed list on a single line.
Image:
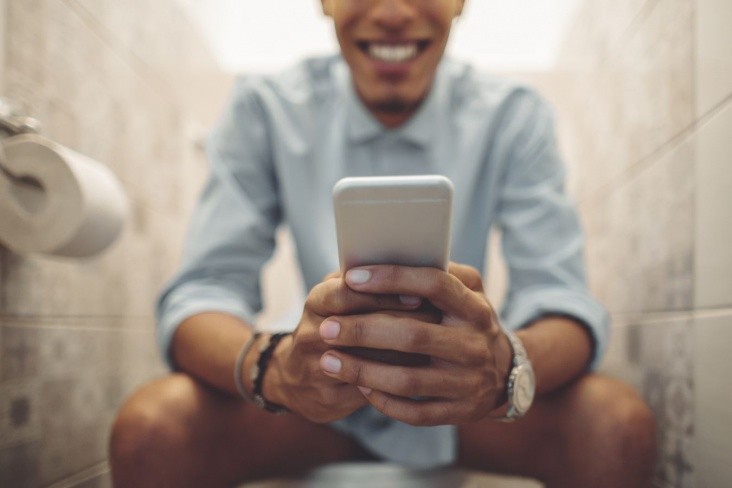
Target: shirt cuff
[(191, 299), (532, 305)]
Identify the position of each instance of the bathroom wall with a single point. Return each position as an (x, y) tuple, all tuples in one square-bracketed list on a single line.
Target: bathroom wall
[(643, 90), (132, 85)]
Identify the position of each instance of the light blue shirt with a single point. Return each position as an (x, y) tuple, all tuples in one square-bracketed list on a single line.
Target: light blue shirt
[(286, 139)]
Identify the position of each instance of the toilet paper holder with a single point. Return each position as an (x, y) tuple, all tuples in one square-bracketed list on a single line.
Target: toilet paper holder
[(53, 200), (14, 122)]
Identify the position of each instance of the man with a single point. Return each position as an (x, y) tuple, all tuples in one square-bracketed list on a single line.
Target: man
[(389, 105)]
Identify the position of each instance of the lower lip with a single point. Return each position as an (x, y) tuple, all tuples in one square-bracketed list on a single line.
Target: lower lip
[(392, 70)]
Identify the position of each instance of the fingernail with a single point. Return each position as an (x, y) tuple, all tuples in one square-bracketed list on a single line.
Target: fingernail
[(330, 364), (364, 390), (329, 329), (409, 300), (358, 276)]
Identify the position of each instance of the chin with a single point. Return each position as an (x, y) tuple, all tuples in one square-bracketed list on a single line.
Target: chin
[(393, 105)]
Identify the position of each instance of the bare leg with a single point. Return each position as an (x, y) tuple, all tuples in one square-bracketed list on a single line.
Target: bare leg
[(595, 432), (178, 432)]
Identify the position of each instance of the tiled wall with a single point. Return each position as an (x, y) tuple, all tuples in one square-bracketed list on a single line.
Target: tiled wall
[(643, 92), (119, 82)]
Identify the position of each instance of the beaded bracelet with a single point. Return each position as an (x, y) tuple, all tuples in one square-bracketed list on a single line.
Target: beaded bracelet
[(238, 380), (259, 372)]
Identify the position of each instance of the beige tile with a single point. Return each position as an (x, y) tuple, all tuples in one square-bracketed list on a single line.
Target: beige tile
[(640, 238), (20, 406), (713, 425), (282, 289), (713, 53), (713, 252), (620, 111), (19, 354), (85, 370), (601, 24), (3, 40), (663, 353), (26, 38), (19, 465)]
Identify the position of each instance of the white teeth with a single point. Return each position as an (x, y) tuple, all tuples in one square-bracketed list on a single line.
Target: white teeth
[(391, 53)]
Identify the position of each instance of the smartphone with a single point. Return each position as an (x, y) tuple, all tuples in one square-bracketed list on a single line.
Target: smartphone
[(402, 220)]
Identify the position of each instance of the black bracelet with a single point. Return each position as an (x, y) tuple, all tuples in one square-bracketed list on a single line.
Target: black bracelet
[(259, 371), (243, 353)]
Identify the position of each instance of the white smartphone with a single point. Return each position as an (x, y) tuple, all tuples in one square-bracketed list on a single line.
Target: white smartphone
[(401, 220)]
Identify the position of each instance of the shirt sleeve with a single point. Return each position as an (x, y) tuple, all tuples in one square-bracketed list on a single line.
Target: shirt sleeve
[(232, 232), (542, 238)]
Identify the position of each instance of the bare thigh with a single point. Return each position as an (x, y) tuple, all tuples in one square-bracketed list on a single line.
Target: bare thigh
[(178, 432), (594, 432)]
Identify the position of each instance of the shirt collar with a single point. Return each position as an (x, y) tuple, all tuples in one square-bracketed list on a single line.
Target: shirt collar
[(363, 127)]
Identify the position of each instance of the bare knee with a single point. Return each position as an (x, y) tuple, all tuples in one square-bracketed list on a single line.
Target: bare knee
[(625, 423), (613, 429), (150, 432)]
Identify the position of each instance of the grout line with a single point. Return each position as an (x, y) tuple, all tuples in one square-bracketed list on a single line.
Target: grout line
[(72, 316), (78, 327), (85, 474), (648, 161), (628, 31), (641, 15), (82, 328), (656, 317)]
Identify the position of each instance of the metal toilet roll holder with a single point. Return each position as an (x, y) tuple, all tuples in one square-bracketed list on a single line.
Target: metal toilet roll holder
[(14, 122)]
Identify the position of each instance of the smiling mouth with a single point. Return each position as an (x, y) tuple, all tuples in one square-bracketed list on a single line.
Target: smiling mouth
[(392, 52)]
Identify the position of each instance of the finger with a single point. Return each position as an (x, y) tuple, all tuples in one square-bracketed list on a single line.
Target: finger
[(414, 412), (346, 397), (405, 334), (397, 380), (334, 297), (331, 275), (443, 290), (425, 313), (469, 276)]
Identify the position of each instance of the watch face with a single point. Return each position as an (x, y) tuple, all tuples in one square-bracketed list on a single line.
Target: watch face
[(524, 388)]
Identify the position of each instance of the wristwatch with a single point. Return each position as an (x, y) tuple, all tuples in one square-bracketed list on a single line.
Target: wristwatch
[(521, 385)]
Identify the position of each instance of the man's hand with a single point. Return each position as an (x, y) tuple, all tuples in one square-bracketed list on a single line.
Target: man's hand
[(471, 356), (294, 378)]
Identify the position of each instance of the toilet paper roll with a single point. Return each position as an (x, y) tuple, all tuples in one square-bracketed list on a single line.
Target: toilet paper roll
[(64, 203)]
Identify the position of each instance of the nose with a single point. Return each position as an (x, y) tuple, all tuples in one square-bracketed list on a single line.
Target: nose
[(393, 15)]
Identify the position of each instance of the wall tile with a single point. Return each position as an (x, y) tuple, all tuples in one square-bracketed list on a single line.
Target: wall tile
[(713, 253), (86, 368), (658, 359), (3, 281), (3, 17), (19, 466), (712, 400), (107, 79), (93, 97), (26, 46), (621, 110), (101, 481), (19, 413), (680, 365), (18, 353), (640, 238), (713, 53), (602, 25)]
